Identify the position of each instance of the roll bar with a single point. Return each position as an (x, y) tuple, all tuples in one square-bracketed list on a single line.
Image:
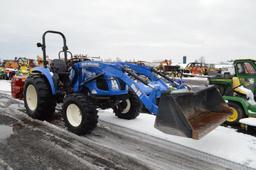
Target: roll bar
[(43, 45)]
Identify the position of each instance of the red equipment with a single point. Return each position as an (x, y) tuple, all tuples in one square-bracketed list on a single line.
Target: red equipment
[(17, 86)]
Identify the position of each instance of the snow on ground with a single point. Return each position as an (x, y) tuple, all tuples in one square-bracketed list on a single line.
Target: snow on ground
[(251, 121), (5, 86), (196, 80), (222, 142)]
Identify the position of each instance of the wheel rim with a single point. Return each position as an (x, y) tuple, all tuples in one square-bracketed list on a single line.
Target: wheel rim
[(234, 116), (74, 115), (127, 106), (31, 97)]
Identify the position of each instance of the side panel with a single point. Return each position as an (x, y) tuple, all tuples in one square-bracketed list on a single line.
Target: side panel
[(47, 74), (239, 100), (220, 81)]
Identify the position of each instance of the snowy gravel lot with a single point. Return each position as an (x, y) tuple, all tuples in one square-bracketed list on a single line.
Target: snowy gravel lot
[(115, 144)]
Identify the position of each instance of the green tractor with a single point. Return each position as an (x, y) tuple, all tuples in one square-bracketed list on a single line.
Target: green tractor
[(2, 71), (2, 74), (238, 87)]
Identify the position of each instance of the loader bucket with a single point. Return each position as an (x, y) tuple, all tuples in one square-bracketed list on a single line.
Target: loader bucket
[(191, 114)]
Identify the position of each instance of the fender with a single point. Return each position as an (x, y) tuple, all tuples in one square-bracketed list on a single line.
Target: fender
[(48, 76), (241, 101)]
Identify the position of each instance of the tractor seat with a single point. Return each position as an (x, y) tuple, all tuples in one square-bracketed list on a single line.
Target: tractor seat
[(243, 91), (59, 66), (236, 86)]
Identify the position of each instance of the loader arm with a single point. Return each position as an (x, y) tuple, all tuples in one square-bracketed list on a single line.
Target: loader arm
[(153, 75)]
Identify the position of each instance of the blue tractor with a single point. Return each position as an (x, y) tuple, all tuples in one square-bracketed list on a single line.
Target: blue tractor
[(83, 86)]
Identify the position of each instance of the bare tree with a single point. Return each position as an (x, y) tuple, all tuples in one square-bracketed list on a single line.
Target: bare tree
[(201, 59)]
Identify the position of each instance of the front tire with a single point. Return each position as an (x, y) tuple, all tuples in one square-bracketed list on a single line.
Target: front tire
[(129, 108), (237, 113), (79, 113), (38, 99)]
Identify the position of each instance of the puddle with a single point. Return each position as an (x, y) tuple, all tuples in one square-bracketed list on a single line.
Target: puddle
[(5, 132)]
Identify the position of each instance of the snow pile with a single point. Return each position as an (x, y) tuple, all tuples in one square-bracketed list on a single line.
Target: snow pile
[(222, 142), (251, 121)]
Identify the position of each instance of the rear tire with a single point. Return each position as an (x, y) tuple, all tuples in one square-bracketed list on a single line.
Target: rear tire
[(237, 113), (38, 99), (129, 108), (79, 113)]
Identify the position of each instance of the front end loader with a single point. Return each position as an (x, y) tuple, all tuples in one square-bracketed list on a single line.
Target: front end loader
[(182, 110), (84, 86)]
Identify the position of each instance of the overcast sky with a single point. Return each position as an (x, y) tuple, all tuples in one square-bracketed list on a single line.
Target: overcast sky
[(141, 29)]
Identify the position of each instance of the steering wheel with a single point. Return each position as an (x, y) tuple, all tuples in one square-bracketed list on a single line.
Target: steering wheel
[(70, 60)]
